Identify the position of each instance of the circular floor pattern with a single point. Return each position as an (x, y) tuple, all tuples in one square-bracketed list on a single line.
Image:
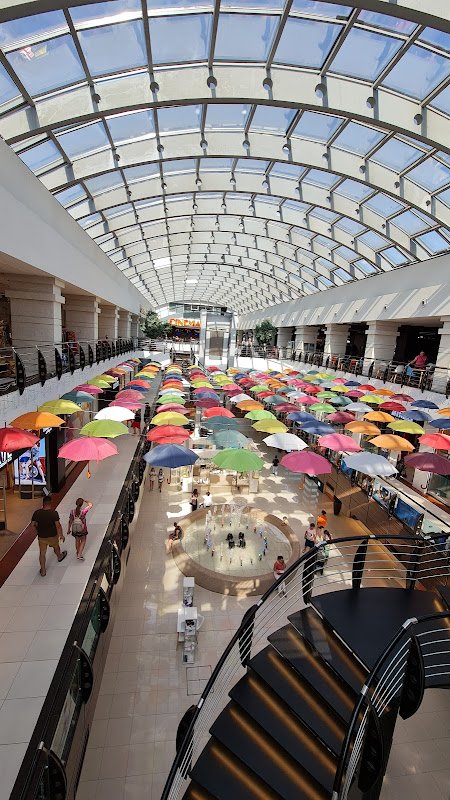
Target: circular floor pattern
[(205, 555)]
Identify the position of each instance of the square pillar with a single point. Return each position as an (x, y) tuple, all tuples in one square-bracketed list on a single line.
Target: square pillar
[(82, 313), (442, 373), (124, 325), (381, 341), (336, 340), (135, 326), (36, 316), (306, 338), (108, 322), (284, 337)]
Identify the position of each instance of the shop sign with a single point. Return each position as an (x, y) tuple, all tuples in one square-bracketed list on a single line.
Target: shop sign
[(184, 323)]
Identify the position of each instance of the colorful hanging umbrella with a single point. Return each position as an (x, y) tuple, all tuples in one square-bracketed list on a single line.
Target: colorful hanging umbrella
[(285, 441), (379, 416), (87, 449), (269, 426), (165, 431), (36, 420), (134, 397), (169, 418), (238, 460), (106, 428), (444, 412), (389, 441), (238, 398), (429, 462), (221, 423), (443, 423), (367, 387), (218, 411), (78, 397), (250, 405), (355, 394), (170, 455), (115, 413), (140, 384), (96, 382), (306, 462), (324, 407), (358, 408), (275, 400), (230, 439), (109, 379), (384, 392), (424, 404), (404, 398), (301, 416), (416, 414), (370, 464), (172, 407), (339, 443), (126, 404), (340, 417), (438, 441), (405, 426), (286, 408), (170, 398), (316, 428), (12, 439), (372, 399), (205, 402), (259, 414), (366, 428), (90, 388), (390, 405), (60, 407)]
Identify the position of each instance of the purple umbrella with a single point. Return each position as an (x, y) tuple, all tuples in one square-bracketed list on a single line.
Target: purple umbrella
[(429, 462)]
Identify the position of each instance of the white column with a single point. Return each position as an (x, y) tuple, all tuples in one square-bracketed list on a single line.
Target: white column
[(381, 341), (82, 312), (108, 322), (124, 325), (442, 373), (135, 327), (36, 303), (284, 337), (336, 340), (305, 338)]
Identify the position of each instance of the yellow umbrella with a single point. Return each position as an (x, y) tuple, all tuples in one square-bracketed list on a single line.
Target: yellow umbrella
[(250, 405), (388, 441), (270, 426), (232, 371), (100, 383), (35, 420), (340, 388), (379, 416), (170, 418), (60, 407), (106, 378), (358, 426), (406, 426), (371, 398)]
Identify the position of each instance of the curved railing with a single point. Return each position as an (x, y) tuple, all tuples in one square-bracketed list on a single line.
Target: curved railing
[(354, 562)]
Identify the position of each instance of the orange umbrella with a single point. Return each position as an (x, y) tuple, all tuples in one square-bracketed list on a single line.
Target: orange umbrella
[(217, 411), (444, 412), (379, 416), (385, 392), (389, 441), (35, 420), (358, 426), (250, 405)]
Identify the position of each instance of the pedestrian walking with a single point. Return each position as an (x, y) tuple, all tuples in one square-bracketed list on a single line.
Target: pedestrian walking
[(275, 464), (77, 525), (278, 569), (160, 480), (49, 531), (151, 478)]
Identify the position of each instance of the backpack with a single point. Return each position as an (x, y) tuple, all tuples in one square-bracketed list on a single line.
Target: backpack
[(77, 526)]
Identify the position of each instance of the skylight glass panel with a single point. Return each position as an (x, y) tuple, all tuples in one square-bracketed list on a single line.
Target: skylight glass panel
[(444, 197), (222, 164), (397, 155), (305, 42), (103, 183), (365, 266), (383, 205), (442, 101), (114, 211), (48, 65), (179, 118), (244, 37), (84, 140), (8, 89), (373, 240), (180, 38), (270, 118), (350, 226), (395, 257), (431, 175), (434, 242), (321, 178), (358, 138), (364, 54), (346, 253), (256, 5), (409, 222), (71, 195), (86, 222), (227, 115), (286, 170), (436, 38), (342, 274), (316, 126), (41, 157), (251, 165), (28, 29), (128, 127), (114, 10), (418, 72), (387, 22), (326, 242), (184, 5), (320, 9), (113, 48), (324, 214), (180, 165), (354, 190), (142, 172)]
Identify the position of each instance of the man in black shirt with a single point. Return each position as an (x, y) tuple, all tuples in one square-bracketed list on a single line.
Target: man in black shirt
[(49, 532)]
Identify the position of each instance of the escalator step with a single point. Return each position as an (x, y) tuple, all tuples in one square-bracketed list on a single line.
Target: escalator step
[(196, 792), (224, 776)]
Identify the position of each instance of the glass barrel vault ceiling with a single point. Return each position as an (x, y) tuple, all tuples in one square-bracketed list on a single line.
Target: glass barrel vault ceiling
[(237, 152)]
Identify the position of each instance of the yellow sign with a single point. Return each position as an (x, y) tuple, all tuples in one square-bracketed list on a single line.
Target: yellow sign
[(184, 323)]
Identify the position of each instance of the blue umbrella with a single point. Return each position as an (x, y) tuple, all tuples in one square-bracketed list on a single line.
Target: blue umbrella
[(352, 383), (317, 428), (78, 397), (424, 404), (170, 455), (415, 414), (300, 416), (136, 388), (442, 422), (210, 395), (221, 423), (230, 439)]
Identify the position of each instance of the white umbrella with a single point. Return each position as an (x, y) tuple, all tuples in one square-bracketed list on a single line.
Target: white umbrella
[(370, 464), (116, 413), (358, 408), (285, 441), (238, 398)]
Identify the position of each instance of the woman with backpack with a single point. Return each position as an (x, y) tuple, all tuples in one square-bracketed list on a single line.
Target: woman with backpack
[(77, 525)]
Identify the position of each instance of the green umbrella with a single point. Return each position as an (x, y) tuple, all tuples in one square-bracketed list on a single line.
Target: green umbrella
[(405, 426), (230, 439), (238, 460), (322, 407), (286, 389), (106, 428), (261, 387), (324, 395), (274, 400), (371, 398), (259, 414), (340, 401), (170, 398)]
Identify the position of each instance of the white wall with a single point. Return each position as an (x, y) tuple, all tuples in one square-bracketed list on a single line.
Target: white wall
[(36, 230)]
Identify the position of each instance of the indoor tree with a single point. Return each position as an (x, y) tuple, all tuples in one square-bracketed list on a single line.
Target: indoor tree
[(265, 332)]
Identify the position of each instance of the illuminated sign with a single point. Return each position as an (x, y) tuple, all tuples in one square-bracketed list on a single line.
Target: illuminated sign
[(184, 323)]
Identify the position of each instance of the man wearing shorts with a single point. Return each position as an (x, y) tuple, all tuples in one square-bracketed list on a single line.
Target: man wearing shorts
[(49, 533)]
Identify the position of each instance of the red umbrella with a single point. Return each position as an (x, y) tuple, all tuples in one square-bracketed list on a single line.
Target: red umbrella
[(87, 448), (340, 381), (306, 462), (172, 407), (367, 387), (203, 389), (339, 442), (213, 369), (137, 382), (246, 382), (391, 406), (404, 398), (340, 417), (438, 441), (12, 439), (429, 462), (263, 395), (313, 389), (218, 411), (286, 408), (206, 402), (230, 387), (166, 431)]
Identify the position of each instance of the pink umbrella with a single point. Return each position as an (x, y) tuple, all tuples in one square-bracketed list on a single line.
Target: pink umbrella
[(340, 417), (230, 387), (129, 395), (340, 381), (429, 462), (307, 462), (438, 441), (127, 404), (89, 388), (88, 448), (172, 407), (306, 401), (355, 393), (339, 442)]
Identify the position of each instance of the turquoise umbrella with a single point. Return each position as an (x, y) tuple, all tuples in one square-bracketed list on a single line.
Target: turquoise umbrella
[(78, 397), (230, 438)]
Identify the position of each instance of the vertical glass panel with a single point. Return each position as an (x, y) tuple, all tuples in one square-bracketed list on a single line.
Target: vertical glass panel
[(113, 48), (224, 164), (22, 31), (306, 43), (316, 126), (320, 9), (227, 115), (40, 157), (254, 5), (141, 172), (431, 174), (397, 155), (180, 165), (8, 89), (358, 138), (365, 266), (244, 37), (269, 118), (387, 22), (418, 72), (179, 38), (251, 165), (113, 11), (364, 54), (127, 127), (84, 140), (46, 66), (342, 274), (179, 118)]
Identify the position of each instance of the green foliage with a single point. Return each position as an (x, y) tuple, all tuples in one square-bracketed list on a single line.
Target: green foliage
[(154, 328), (265, 332)]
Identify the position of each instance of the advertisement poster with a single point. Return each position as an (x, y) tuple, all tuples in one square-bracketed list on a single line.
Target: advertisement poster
[(30, 467)]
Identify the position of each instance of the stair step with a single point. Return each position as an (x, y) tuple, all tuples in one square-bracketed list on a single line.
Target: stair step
[(276, 676), (196, 792), (224, 776), (330, 648), (292, 648), (289, 759)]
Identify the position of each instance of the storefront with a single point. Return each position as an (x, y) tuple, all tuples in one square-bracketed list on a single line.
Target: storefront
[(186, 330)]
